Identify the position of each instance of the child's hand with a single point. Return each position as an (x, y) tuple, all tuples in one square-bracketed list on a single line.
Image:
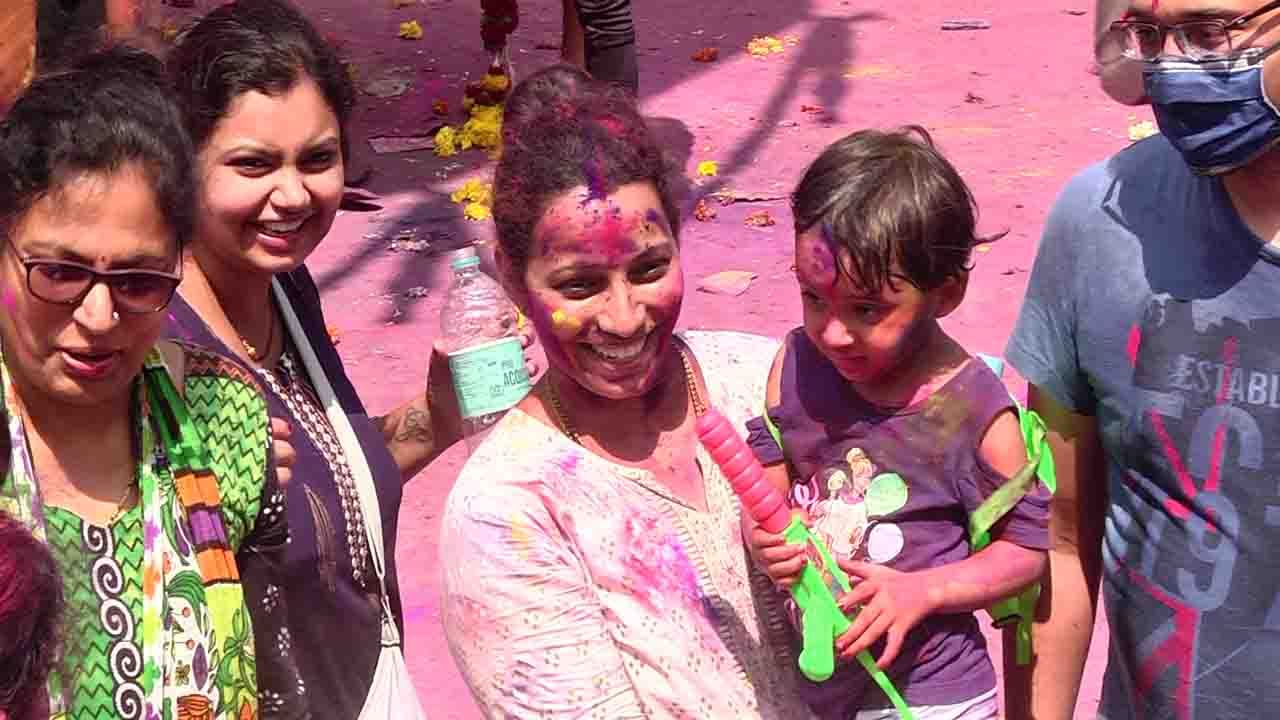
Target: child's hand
[(779, 559), (892, 603)]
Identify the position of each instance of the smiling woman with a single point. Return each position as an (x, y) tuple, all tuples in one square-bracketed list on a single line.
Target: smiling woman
[(144, 465), (592, 555), (266, 102)]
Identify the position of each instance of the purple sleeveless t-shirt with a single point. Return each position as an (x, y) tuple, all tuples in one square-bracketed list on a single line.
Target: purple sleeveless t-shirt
[(897, 488)]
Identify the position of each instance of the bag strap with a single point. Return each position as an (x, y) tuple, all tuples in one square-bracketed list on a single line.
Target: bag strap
[(366, 491)]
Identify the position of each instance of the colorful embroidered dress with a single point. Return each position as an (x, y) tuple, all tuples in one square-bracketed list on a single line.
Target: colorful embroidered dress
[(157, 624), (576, 587)]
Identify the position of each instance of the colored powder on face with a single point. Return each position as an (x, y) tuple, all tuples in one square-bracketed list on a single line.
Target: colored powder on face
[(564, 322), (816, 263), (549, 335), (611, 236), (10, 300), (654, 217)]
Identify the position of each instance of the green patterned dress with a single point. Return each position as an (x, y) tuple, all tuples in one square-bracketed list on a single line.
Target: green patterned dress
[(158, 616)]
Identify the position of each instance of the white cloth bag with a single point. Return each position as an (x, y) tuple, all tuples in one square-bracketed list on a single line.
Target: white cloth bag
[(392, 694)]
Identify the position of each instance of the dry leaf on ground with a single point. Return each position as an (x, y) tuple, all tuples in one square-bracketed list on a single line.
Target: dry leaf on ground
[(703, 211), (727, 282)]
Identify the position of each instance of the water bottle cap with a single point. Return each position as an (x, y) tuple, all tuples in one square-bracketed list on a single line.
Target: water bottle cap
[(465, 258)]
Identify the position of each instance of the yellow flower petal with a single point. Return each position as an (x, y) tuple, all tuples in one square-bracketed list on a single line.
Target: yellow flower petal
[(476, 211), (484, 129), (765, 45), (495, 83), (708, 168), (410, 30), (473, 191), (446, 142)]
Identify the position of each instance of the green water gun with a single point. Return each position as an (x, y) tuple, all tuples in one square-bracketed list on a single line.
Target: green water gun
[(821, 580)]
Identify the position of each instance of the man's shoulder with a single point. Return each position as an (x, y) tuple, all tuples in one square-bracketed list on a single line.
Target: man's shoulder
[(1143, 169)]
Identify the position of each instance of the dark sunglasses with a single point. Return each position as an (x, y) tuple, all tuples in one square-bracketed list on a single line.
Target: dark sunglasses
[(61, 282)]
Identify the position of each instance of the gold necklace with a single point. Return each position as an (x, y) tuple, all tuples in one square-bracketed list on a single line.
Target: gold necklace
[(252, 351), (124, 501), (569, 429)]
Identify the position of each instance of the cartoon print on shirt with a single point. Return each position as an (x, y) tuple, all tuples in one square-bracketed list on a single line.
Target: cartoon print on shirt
[(844, 499)]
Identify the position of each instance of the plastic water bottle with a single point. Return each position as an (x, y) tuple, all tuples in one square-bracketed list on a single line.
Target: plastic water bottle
[(478, 321)]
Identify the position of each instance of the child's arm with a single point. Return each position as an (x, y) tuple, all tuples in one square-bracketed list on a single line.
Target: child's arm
[(782, 562), (894, 601)]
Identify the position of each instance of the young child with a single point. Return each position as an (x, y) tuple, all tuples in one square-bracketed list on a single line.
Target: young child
[(889, 434), (30, 611)]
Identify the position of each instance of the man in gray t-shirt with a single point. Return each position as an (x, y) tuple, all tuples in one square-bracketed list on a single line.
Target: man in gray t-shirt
[(1150, 336)]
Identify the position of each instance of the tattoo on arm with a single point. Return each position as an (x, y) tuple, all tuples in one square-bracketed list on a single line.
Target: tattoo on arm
[(415, 426)]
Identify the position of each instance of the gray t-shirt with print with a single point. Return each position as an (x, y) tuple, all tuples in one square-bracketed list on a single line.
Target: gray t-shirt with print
[(1154, 308)]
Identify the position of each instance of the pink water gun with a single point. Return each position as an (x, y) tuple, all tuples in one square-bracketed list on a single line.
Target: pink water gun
[(821, 619)]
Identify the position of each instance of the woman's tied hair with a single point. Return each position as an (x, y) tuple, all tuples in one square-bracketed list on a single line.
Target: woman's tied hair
[(563, 130)]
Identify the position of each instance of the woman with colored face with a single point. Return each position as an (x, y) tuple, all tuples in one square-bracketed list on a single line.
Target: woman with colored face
[(144, 465), (266, 102), (592, 554)]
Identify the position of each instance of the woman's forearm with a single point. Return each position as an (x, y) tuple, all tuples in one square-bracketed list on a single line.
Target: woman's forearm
[(414, 435)]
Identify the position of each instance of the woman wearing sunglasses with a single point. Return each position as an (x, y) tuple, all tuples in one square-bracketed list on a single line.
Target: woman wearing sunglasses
[(144, 466)]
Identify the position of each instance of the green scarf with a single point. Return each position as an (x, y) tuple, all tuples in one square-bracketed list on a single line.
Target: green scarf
[(195, 657)]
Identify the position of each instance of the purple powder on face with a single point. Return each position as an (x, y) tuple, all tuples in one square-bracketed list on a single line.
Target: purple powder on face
[(612, 235), (816, 262), (655, 217)]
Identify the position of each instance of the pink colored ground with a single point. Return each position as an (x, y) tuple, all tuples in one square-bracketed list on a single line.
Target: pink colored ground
[(1014, 107)]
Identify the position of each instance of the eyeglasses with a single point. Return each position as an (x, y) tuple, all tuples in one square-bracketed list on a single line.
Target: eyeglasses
[(136, 292), (1198, 39)]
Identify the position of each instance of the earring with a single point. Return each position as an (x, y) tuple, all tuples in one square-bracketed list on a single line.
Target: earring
[(115, 315)]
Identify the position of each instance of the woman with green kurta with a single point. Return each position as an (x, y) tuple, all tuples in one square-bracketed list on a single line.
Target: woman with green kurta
[(144, 465)]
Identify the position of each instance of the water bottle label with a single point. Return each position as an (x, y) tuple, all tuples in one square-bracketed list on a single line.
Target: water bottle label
[(489, 378)]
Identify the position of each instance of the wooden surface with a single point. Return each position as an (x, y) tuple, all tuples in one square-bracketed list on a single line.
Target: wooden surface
[(17, 47)]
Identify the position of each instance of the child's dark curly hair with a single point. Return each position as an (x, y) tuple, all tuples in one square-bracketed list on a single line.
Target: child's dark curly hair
[(886, 198), (31, 607), (563, 130)]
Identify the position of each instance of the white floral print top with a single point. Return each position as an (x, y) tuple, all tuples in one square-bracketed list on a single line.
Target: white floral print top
[(579, 588)]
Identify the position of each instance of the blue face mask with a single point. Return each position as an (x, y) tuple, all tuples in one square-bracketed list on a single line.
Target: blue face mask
[(1215, 112)]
